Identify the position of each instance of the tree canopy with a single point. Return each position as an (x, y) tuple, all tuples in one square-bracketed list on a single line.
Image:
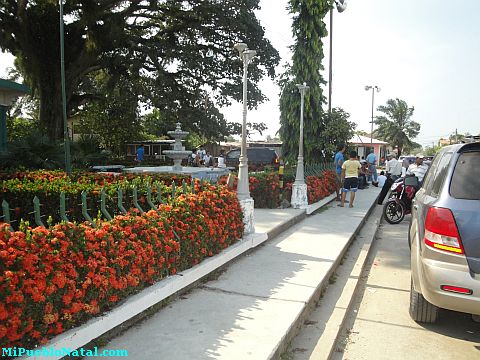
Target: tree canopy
[(308, 29), (338, 130), (175, 56), (396, 126)]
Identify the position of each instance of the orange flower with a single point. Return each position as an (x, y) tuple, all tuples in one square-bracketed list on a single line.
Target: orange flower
[(3, 312), (59, 279)]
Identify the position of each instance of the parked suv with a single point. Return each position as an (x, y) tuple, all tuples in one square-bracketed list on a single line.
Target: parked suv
[(444, 235), (258, 157)]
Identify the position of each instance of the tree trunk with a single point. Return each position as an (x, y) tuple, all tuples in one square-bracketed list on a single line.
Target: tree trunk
[(51, 118), (399, 152)]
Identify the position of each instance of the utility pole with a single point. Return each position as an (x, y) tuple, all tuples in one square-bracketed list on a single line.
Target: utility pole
[(456, 136)]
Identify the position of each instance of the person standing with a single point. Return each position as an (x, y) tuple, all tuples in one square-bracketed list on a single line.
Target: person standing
[(372, 167), (140, 154), (393, 167), (350, 170), (339, 160)]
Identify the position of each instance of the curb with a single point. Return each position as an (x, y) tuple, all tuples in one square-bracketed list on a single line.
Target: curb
[(136, 304), (150, 296), (273, 233), (350, 293), (310, 303)]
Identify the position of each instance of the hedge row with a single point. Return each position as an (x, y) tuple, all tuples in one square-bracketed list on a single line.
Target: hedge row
[(53, 279), (19, 189)]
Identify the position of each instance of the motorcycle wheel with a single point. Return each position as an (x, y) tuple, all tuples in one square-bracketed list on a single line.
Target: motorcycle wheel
[(393, 212)]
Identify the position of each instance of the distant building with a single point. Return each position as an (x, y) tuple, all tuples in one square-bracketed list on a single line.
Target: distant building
[(444, 142), (153, 148), (363, 145)]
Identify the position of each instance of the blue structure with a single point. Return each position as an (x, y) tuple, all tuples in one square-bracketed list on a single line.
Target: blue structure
[(9, 91)]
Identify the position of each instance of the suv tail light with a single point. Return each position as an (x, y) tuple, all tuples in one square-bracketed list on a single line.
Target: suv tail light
[(441, 231)]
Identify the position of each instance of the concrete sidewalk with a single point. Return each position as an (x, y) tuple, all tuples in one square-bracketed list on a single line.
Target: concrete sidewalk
[(253, 309)]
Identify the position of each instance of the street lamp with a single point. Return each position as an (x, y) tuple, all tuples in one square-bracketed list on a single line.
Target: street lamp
[(243, 192), (377, 89), (66, 140), (299, 188), (341, 6)]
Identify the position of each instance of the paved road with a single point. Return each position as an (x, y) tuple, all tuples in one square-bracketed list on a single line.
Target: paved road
[(380, 327)]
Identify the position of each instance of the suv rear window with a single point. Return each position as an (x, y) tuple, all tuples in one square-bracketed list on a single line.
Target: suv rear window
[(264, 155), (466, 177), (234, 154)]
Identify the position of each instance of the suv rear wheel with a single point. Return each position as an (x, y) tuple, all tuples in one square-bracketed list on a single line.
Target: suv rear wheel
[(420, 309)]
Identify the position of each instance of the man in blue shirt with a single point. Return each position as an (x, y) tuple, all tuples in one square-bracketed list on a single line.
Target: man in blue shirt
[(339, 160), (140, 154), (372, 167)]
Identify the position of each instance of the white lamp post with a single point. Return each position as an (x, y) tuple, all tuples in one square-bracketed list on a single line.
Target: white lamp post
[(243, 192), (373, 88), (299, 188)]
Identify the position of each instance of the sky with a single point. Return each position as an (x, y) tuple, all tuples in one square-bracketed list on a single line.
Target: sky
[(425, 52)]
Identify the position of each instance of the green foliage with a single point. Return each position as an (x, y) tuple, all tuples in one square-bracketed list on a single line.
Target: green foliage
[(396, 126), (173, 54), (432, 150), (34, 151), (19, 127), (113, 117), (37, 151), (362, 133), (155, 123), (338, 130), (308, 30), (414, 148), (87, 151), (19, 189), (22, 116)]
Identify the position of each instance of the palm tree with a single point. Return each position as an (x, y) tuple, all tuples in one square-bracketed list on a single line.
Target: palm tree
[(395, 126)]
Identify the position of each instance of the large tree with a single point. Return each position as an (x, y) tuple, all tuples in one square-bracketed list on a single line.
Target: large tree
[(338, 130), (178, 51), (396, 126), (308, 29)]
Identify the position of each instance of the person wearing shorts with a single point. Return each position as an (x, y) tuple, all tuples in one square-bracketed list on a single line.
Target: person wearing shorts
[(350, 169), (339, 160)]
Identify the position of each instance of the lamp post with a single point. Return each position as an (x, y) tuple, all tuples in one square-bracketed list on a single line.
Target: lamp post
[(243, 192), (299, 188), (66, 139), (341, 6), (377, 89)]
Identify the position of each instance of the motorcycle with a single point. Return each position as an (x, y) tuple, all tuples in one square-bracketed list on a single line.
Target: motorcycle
[(399, 203)]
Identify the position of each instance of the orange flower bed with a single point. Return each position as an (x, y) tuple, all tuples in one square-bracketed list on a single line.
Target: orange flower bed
[(318, 187), (53, 279), (266, 191)]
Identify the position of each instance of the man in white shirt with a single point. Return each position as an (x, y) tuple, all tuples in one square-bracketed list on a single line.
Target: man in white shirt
[(393, 167), (207, 159), (418, 168), (221, 160)]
